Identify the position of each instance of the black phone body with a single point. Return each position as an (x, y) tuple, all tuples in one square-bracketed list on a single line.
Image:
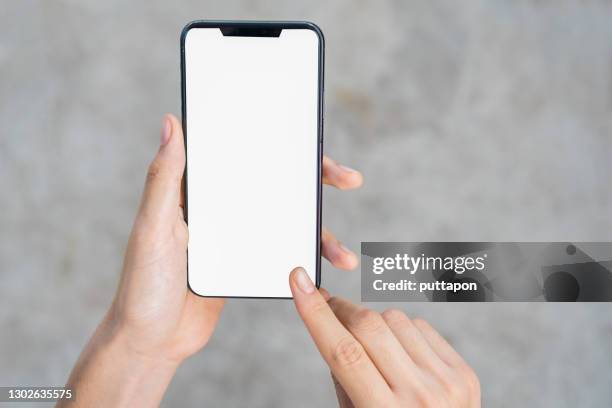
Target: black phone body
[(252, 112)]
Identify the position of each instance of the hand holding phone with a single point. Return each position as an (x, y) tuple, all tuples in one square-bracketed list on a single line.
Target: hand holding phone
[(155, 322)]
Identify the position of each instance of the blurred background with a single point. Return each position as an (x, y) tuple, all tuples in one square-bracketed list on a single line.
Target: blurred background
[(471, 120)]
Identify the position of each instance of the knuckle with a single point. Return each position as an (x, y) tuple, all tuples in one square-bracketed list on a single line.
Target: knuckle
[(159, 171), (395, 317), (429, 392), (431, 398), (348, 352), (153, 171), (471, 379), (316, 309), (422, 324), (367, 320), (332, 301), (455, 389)]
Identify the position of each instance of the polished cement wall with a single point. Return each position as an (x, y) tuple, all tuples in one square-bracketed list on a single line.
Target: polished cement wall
[(471, 120)]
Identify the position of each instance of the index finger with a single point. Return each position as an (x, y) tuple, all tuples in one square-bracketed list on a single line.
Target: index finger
[(345, 356)]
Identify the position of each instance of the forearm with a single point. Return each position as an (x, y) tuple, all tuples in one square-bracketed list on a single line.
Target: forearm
[(109, 373)]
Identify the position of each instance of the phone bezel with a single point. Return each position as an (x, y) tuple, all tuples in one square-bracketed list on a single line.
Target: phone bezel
[(261, 25)]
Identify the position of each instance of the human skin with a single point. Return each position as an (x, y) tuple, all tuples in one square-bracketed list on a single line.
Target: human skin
[(383, 360), (155, 322)]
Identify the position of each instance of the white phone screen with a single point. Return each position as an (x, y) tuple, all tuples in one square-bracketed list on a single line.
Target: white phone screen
[(252, 140)]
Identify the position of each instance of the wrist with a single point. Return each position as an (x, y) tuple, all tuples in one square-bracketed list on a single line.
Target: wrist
[(118, 343), (143, 379), (111, 372), (120, 340)]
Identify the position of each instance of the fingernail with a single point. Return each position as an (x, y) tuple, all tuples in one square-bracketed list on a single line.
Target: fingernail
[(166, 131), (303, 281), (346, 168)]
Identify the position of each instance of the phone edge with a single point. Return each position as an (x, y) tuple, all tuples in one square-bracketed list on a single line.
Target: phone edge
[(320, 127)]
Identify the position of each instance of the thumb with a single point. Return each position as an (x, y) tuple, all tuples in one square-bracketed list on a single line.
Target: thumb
[(162, 192)]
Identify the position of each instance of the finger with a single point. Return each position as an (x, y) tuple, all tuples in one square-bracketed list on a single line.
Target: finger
[(415, 344), (343, 399), (378, 340), (324, 293), (162, 193), (336, 253), (454, 361), (438, 344), (340, 176), (345, 356)]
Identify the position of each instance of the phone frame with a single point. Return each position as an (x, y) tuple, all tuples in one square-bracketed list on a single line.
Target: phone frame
[(258, 29)]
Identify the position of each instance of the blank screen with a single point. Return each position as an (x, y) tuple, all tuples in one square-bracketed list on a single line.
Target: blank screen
[(252, 160)]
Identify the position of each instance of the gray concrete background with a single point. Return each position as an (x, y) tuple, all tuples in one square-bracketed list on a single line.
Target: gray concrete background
[(471, 120)]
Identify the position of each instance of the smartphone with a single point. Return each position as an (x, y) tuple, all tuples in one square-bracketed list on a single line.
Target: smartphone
[(252, 95)]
